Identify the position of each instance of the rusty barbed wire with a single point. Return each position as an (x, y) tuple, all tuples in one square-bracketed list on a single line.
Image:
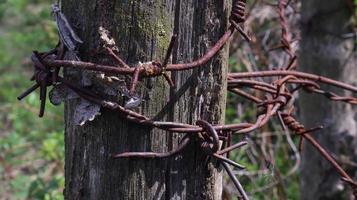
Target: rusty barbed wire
[(285, 33), (277, 102), (238, 16)]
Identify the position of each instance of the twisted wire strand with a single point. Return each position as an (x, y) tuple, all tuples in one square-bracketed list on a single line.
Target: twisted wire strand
[(285, 33), (299, 129), (238, 11)]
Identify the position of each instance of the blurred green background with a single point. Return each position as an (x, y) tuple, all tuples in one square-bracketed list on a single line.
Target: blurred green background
[(31, 149)]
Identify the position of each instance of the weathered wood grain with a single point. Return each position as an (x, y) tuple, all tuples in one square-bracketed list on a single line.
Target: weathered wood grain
[(142, 29)]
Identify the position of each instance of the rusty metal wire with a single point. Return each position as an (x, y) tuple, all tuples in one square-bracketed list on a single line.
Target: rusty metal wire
[(207, 136), (285, 33)]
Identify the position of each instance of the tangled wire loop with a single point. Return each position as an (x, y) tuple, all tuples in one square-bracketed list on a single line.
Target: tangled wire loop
[(44, 76), (209, 140)]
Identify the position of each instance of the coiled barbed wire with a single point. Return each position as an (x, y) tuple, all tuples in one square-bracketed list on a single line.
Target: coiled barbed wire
[(238, 11), (293, 124), (238, 16)]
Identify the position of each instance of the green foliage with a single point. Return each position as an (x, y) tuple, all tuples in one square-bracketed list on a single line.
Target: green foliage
[(261, 175), (31, 149)]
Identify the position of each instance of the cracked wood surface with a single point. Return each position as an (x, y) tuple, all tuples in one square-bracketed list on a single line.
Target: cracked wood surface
[(142, 30)]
